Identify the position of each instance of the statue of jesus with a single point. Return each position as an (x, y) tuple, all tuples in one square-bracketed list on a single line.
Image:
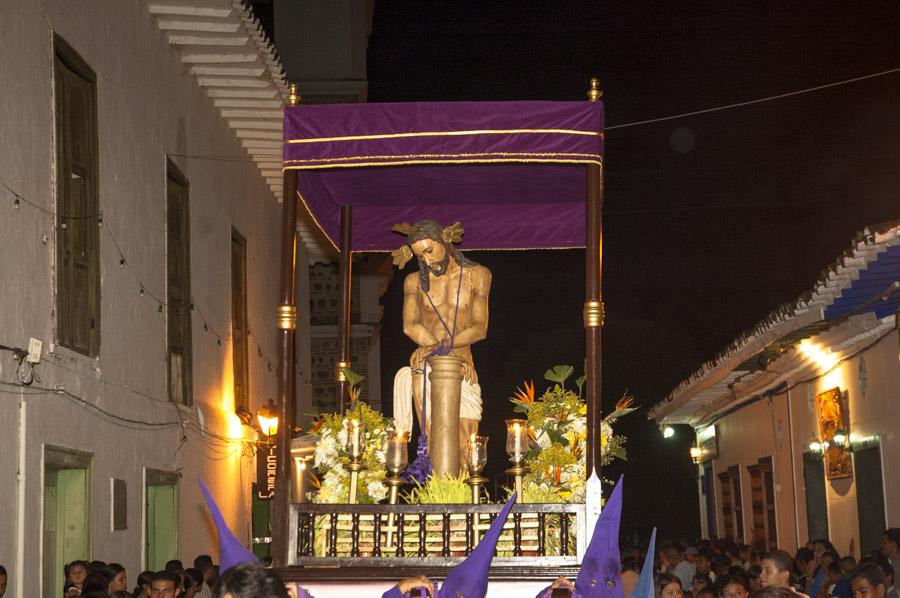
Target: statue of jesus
[(445, 306)]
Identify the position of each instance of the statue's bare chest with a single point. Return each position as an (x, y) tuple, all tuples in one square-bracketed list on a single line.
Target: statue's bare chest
[(444, 291)]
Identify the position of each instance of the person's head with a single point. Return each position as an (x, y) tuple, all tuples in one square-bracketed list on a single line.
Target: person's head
[(204, 564), (165, 584), (119, 579), (669, 586), (867, 581), (720, 565), (675, 553), (174, 566), (744, 552), (848, 564), (700, 582), (249, 580), (193, 582), (142, 589), (803, 558), (777, 566), (820, 547), (3, 580), (704, 593), (96, 566), (76, 571), (753, 574), (96, 581), (834, 572), (631, 564), (703, 562), (890, 542), (774, 592), (690, 554), (734, 587), (828, 557)]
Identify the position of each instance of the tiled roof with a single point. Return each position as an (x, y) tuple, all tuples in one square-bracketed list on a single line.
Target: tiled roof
[(843, 312)]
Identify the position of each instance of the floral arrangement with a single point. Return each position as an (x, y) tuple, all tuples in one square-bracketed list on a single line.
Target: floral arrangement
[(332, 458), (558, 433)]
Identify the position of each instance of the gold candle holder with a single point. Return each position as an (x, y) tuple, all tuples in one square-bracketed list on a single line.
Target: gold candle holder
[(356, 446), (396, 457), (476, 459), (517, 447)]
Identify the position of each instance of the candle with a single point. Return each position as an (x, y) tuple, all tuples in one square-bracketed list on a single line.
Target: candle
[(517, 430), (354, 438), (395, 452)]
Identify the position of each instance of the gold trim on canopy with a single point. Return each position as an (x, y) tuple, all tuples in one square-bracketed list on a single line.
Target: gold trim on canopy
[(445, 134)]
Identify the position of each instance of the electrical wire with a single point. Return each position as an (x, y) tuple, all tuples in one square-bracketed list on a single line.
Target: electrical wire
[(756, 101)]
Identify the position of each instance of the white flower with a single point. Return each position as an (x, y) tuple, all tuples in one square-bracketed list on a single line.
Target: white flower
[(377, 490), (544, 441), (326, 452)]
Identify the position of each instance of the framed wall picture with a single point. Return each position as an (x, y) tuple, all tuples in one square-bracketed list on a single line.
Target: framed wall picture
[(833, 419)]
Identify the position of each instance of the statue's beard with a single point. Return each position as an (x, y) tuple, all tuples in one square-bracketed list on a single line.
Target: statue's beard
[(440, 268)]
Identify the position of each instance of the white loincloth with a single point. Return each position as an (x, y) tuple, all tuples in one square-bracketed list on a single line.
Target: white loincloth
[(469, 403)]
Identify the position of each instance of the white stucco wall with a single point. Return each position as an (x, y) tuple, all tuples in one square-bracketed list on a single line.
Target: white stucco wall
[(148, 106), (762, 428)]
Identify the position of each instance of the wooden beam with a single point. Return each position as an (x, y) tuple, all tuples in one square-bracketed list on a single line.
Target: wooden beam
[(208, 40)]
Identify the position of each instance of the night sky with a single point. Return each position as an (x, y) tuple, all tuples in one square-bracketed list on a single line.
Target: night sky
[(710, 221)]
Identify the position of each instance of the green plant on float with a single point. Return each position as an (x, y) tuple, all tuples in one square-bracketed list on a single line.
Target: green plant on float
[(440, 490)]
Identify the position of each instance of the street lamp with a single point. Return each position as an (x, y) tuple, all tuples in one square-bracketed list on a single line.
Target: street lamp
[(668, 432), (268, 419), (696, 453)]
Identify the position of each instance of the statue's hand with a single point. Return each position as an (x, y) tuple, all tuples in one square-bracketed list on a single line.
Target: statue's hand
[(417, 359), (469, 373)]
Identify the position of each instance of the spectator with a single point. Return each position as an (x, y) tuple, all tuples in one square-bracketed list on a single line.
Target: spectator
[(3, 578), (805, 563), (251, 580), (678, 566), (753, 573), (165, 584), (142, 590), (705, 593), (832, 578), (820, 548), (777, 566), (703, 564), (690, 553), (745, 555), (76, 571), (890, 546), (631, 572), (204, 564), (734, 587), (775, 592), (118, 578), (174, 566), (193, 582), (867, 581), (720, 565), (668, 585), (96, 566), (700, 582), (96, 581)]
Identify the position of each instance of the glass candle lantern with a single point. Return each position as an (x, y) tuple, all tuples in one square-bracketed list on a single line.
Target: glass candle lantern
[(476, 454), (516, 439), (396, 455), (356, 438)]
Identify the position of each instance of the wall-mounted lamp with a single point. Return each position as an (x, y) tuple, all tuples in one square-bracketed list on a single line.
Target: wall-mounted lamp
[(816, 447), (696, 453), (840, 439), (268, 419), (668, 431)]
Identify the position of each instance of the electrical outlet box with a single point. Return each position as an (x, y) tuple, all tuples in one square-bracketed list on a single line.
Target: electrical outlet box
[(35, 346)]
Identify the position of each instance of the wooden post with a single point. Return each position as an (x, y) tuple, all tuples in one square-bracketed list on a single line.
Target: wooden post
[(287, 325), (593, 304), (345, 272)]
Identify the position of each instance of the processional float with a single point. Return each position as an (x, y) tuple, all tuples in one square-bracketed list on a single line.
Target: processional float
[(520, 175)]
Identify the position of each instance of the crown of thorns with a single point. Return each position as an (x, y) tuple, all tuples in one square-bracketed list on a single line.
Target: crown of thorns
[(449, 234)]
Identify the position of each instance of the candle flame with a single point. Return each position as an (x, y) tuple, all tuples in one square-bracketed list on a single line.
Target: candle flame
[(472, 438), (354, 423), (516, 426)]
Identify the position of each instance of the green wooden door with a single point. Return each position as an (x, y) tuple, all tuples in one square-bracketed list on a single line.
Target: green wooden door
[(66, 525), (162, 524)]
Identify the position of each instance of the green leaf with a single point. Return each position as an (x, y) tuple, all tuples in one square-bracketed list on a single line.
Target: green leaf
[(353, 379), (580, 383), (620, 412), (559, 373)]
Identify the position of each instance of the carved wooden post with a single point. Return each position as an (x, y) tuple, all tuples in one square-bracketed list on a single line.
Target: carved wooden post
[(346, 276), (287, 325)]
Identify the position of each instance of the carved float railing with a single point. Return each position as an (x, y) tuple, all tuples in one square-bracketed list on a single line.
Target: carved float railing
[(411, 536)]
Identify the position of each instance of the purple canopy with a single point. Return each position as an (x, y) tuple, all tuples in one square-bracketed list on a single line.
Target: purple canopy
[(512, 172)]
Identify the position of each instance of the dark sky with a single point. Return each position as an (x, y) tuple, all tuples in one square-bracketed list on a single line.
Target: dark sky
[(709, 221)]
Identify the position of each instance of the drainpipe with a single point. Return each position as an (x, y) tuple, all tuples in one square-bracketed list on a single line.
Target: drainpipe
[(20, 503), (793, 467)]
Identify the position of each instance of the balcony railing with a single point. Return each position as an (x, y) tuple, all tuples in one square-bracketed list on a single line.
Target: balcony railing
[(544, 535)]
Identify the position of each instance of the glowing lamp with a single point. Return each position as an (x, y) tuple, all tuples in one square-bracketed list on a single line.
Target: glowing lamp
[(840, 438), (815, 446), (268, 419), (696, 453), (668, 432)]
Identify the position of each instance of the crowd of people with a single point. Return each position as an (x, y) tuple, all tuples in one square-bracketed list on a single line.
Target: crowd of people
[(697, 569), (722, 569)]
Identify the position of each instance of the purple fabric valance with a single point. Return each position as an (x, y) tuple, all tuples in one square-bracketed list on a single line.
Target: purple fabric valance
[(512, 172)]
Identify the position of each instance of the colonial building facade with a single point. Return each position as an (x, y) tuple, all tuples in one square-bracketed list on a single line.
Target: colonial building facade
[(140, 164), (797, 420)]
